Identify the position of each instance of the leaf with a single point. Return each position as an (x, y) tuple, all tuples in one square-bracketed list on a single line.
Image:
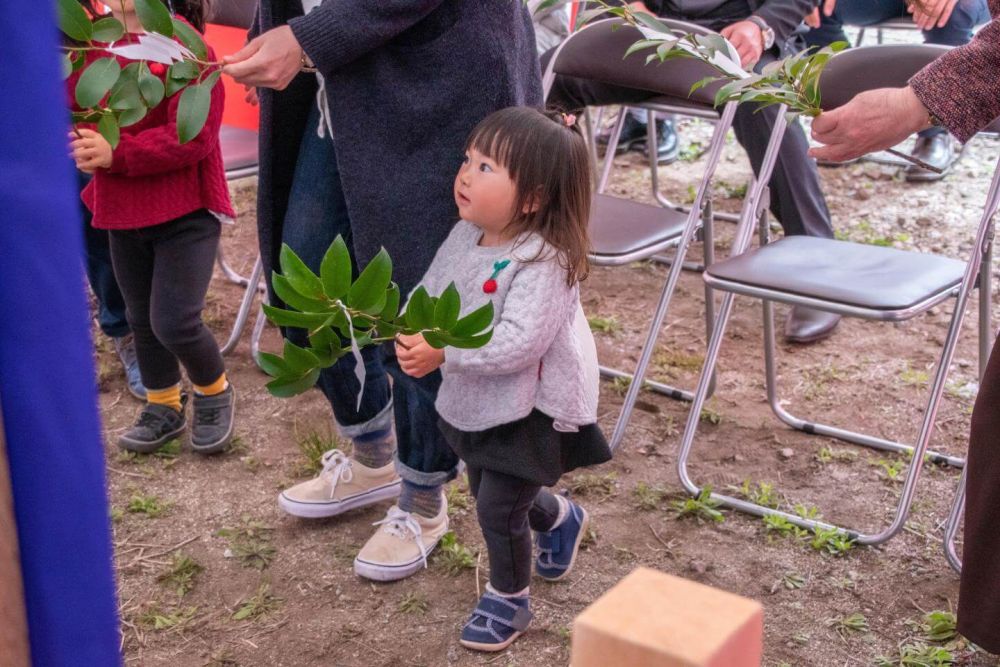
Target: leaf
[(299, 359), (125, 93), (150, 86), (471, 342), (272, 364), (67, 65), (475, 321), (653, 23), (183, 71), (390, 311), (154, 17), (132, 116), (435, 340), (369, 289), (335, 269), (701, 83), (299, 276), (108, 30), (96, 81), (447, 308), (640, 45), (291, 318), (420, 311), (292, 298), (286, 387), (73, 20), (191, 39), (108, 127), (192, 112)]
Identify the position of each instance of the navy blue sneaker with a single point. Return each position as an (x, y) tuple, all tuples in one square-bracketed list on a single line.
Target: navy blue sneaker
[(125, 347), (557, 548), (496, 622)]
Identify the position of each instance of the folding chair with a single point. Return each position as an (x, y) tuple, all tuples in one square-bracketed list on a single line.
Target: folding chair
[(899, 23), (869, 282), (624, 231)]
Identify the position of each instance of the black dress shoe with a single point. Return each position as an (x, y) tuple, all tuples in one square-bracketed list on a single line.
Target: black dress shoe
[(937, 150), (633, 137), (808, 325)]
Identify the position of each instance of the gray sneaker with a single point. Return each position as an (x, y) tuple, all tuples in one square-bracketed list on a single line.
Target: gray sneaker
[(125, 347), (157, 425), (213, 422)]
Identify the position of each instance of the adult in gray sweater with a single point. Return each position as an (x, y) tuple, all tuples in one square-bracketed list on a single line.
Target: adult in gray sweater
[(367, 147)]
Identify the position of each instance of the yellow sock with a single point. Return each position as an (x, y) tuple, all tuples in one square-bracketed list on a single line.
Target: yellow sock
[(216, 387), (170, 396)]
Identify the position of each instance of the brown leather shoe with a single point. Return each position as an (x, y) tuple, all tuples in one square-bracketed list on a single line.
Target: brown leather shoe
[(808, 325), (938, 151)]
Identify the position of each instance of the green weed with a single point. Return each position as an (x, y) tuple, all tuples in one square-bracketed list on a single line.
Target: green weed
[(702, 508), (262, 603), (180, 576), (452, 556), (250, 543)]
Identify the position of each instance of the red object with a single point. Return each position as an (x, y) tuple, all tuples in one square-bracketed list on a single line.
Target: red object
[(226, 41), (490, 286), (157, 68), (153, 177)]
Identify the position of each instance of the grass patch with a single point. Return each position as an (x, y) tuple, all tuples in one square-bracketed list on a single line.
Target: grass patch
[(150, 506), (312, 446), (936, 626), (604, 325), (831, 541), (791, 581), (262, 603), (710, 416), (250, 543), (777, 525), (413, 603), (452, 556), (181, 575), (918, 655), (647, 498), (848, 625), (827, 455), (592, 484), (703, 508), (914, 377), (459, 500), (166, 619), (762, 493)]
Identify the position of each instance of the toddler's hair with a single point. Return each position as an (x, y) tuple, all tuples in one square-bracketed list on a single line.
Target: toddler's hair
[(547, 159), (194, 11)]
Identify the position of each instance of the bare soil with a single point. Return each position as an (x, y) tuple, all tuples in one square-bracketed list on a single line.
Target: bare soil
[(310, 608)]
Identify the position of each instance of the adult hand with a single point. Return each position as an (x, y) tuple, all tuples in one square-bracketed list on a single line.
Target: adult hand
[(416, 357), (269, 61), (930, 14), (873, 120), (748, 40), (91, 151), (251, 96)]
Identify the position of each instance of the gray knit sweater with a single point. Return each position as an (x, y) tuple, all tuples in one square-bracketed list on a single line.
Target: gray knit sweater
[(542, 354)]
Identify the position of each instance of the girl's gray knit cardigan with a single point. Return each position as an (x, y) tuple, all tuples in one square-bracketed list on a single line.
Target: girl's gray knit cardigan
[(542, 353)]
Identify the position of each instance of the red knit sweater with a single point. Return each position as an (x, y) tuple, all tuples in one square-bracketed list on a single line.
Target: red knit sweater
[(153, 178)]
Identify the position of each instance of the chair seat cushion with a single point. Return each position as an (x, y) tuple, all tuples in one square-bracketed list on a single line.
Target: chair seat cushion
[(239, 148), (852, 274), (622, 227)]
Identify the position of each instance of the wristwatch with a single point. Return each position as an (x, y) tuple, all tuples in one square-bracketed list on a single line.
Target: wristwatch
[(766, 33)]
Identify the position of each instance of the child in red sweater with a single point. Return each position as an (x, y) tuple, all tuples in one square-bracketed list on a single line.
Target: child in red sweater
[(162, 202)]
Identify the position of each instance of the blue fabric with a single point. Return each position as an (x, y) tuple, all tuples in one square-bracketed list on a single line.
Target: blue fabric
[(956, 32), (47, 392)]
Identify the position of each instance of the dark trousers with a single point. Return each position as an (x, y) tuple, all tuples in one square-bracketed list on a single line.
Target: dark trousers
[(509, 508), (163, 272), (966, 15), (101, 275), (796, 197), (979, 596), (317, 213)]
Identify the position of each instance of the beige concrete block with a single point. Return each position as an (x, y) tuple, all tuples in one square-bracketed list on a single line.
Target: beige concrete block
[(651, 619)]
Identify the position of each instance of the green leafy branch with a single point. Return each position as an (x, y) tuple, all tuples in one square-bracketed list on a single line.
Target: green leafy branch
[(341, 316), (170, 58)]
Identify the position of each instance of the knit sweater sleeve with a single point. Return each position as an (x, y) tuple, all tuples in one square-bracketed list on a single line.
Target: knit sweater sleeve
[(157, 150), (536, 305), (961, 87), (340, 31)]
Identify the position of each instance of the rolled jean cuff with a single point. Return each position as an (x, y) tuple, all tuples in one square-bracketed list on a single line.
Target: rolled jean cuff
[(380, 422), (436, 478)]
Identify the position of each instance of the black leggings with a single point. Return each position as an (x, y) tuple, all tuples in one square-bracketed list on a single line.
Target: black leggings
[(163, 272), (509, 508)]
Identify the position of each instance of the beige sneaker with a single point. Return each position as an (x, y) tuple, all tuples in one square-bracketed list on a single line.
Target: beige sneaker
[(342, 485), (401, 545)]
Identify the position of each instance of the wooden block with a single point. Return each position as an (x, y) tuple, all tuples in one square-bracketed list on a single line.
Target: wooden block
[(651, 619)]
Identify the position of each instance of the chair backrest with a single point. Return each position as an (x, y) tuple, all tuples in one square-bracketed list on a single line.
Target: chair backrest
[(596, 53), (232, 13), (868, 67)]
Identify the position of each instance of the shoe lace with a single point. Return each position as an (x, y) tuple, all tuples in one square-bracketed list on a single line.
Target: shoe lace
[(149, 418), (207, 416), (336, 468), (401, 523)]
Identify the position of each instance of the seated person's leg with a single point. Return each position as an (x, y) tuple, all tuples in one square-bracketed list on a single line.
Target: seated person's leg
[(853, 13), (966, 15)]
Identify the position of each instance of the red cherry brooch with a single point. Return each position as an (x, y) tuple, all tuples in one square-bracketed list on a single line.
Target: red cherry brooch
[(490, 286)]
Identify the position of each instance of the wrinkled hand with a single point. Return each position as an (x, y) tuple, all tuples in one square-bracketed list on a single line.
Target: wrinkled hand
[(747, 39), (936, 13), (90, 150), (873, 120), (269, 61), (416, 357)]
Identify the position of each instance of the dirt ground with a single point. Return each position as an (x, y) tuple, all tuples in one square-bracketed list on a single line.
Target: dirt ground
[(212, 573)]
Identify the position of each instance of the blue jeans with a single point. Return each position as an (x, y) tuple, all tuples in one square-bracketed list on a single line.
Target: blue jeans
[(957, 31), (110, 304), (317, 214)]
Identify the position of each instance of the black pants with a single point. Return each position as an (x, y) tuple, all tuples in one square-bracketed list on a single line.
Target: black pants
[(163, 272), (796, 198), (509, 508)]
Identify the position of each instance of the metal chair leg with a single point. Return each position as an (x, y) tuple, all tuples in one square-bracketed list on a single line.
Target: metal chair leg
[(258, 330), (243, 314), (228, 271), (951, 528)]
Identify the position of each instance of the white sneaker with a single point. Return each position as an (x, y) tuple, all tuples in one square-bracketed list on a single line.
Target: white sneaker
[(401, 545), (342, 485)]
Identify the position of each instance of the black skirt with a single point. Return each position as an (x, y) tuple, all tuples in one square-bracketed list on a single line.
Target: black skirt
[(530, 448)]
